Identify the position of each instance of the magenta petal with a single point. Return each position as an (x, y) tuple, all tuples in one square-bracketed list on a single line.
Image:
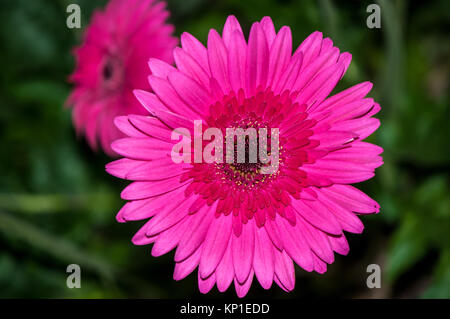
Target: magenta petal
[(141, 190), (231, 26), (160, 68), (284, 270), (172, 213), (169, 239), (310, 47), (237, 61), (263, 260), (319, 265), (218, 60), (143, 209), (149, 100), (216, 242), (242, 251), (269, 30), (205, 285), (280, 55), (257, 65), (353, 199), (142, 148), (121, 167), (295, 244), (156, 170), (196, 233), (140, 238), (122, 123), (349, 95), (317, 240), (192, 46), (187, 266), (186, 64), (151, 126), (225, 270), (242, 289), (339, 244), (192, 93), (170, 98), (317, 215)]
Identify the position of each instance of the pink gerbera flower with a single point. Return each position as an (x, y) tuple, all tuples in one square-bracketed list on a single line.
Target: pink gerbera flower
[(232, 221), (112, 62)]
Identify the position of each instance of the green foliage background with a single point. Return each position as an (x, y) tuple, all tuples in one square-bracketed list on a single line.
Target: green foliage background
[(57, 205)]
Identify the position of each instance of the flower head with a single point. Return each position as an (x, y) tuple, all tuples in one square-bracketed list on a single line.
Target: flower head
[(112, 61), (232, 220)]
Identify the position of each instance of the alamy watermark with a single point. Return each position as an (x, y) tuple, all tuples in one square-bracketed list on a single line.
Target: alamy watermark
[(374, 279), (73, 20), (74, 279), (374, 19), (241, 146)]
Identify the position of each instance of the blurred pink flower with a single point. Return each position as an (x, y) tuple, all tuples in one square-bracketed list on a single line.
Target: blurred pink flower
[(112, 61), (230, 220)]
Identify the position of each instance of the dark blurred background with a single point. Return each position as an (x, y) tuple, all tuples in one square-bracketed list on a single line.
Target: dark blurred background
[(58, 206)]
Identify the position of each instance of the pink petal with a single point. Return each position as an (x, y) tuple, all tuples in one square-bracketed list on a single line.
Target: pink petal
[(156, 170), (363, 127), (236, 61), (174, 211), (284, 270), (192, 93), (317, 240), (294, 244), (280, 55), (269, 30), (231, 26), (242, 251), (142, 148), (257, 64), (151, 126), (290, 74), (121, 167), (186, 64), (215, 244), (319, 265), (242, 289), (195, 234), (149, 100), (321, 86), (146, 208), (352, 198), (339, 244), (263, 260), (122, 123), (310, 47), (317, 215), (225, 270), (187, 266), (160, 68), (274, 234), (141, 190), (218, 60), (140, 238), (205, 285), (168, 239), (170, 98), (192, 46), (347, 96)]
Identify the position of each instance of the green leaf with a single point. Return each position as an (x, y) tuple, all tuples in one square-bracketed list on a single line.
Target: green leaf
[(407, 247), (440, 287)]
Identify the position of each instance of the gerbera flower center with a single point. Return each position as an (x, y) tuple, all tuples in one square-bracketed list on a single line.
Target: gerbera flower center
[(112, 73), (246, 187)]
